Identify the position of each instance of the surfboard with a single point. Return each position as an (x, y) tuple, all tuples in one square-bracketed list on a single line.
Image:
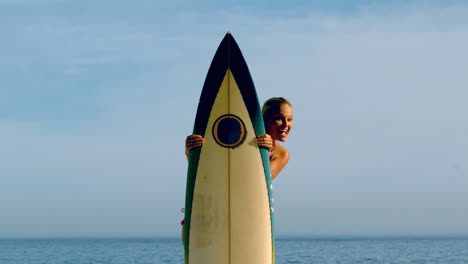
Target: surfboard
[(229, 205)]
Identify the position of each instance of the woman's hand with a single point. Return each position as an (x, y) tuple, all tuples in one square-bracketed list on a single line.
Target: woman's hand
[(265, 141), (192, 142)]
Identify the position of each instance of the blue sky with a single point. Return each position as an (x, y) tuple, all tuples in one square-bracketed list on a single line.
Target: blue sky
[(96, 98)]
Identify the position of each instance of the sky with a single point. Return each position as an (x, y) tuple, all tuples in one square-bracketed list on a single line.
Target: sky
[(97, 97)]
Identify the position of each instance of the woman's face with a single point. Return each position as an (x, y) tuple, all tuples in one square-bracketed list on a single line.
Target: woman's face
[(280, 123)]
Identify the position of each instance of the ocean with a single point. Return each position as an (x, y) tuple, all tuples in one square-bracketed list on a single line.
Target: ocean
[(289, 250)]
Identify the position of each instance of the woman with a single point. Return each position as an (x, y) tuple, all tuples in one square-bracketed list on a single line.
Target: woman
[(278, 118)]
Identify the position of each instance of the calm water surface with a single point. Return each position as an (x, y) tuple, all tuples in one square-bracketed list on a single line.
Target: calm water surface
[(288, 250)]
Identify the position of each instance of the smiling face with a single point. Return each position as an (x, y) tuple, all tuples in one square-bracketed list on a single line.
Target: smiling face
[(280, 123)]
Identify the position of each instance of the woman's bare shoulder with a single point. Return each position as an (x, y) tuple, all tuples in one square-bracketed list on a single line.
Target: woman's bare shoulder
[(278, 159), (281, 153)]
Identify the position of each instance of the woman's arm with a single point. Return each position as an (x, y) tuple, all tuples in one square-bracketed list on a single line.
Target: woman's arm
[(265, 141), (192, 142), (279, 157)]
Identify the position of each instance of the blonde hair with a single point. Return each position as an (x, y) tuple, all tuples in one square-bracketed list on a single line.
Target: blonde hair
[(273, 105)]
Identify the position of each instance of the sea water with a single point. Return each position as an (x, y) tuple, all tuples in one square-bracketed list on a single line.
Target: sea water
[(328, 250)]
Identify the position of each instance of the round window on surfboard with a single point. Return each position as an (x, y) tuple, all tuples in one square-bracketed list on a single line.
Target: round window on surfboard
[(229, 131)]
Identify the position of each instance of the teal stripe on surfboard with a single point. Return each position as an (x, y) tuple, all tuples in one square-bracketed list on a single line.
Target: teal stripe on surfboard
[(228, 58)]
